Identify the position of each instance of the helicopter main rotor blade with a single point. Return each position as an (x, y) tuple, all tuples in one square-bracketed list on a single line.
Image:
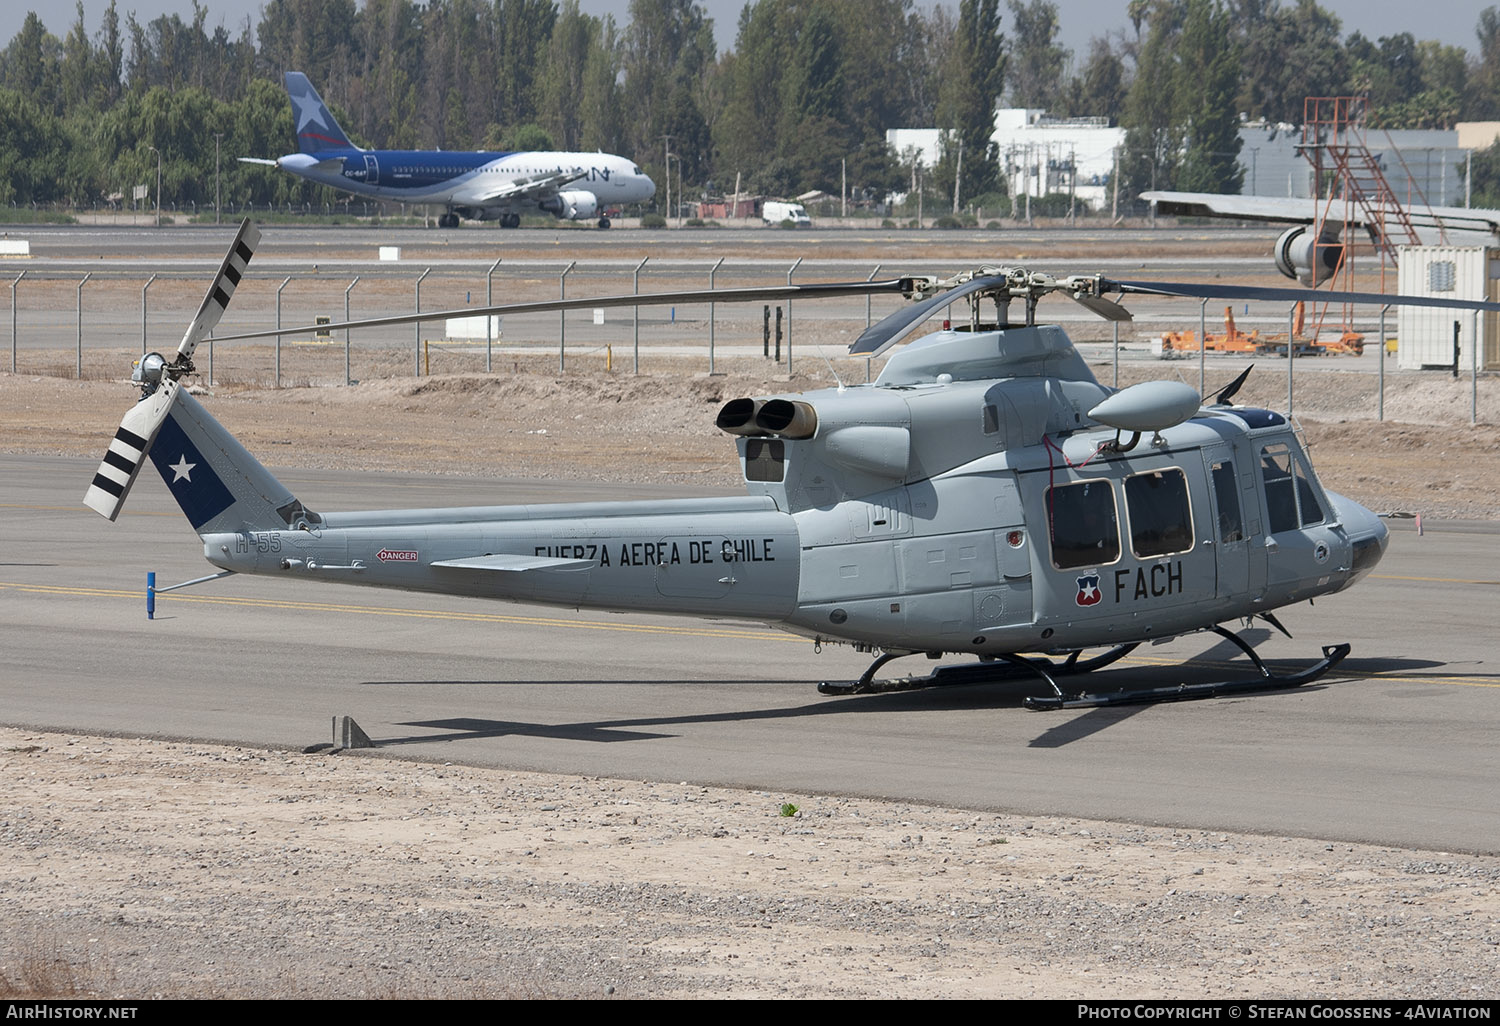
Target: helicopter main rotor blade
[(1106, 308), (768, 293), (880, 337), (1198, 290)]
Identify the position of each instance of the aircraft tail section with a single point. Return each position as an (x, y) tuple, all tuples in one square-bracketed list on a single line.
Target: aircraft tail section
[(317, 131), (218, 484)]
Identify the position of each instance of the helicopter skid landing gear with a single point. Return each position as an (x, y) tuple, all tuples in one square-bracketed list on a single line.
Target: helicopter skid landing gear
[(976, 673), (1266, 681)]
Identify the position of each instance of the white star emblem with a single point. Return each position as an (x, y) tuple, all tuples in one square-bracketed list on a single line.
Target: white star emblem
[(307, 112), (182, 470)]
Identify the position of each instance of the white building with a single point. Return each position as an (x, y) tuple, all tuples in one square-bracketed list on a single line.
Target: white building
[(1040, 154)]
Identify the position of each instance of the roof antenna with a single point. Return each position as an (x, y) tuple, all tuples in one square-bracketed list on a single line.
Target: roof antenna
[(830, 367)]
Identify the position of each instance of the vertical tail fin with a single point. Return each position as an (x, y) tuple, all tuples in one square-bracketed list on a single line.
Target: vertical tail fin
[(316, 129), (215, 480), (218, 484)]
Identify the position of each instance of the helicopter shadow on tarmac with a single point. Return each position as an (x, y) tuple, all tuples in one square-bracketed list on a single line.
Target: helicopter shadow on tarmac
[(1000, 695)]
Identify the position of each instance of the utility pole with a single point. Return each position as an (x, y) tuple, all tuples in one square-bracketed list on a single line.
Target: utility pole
[(666, 160), (218, 137), (156, 151)]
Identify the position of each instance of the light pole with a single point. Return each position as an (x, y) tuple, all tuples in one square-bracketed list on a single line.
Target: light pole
[(666, 151), (156, 151), (671, 157)]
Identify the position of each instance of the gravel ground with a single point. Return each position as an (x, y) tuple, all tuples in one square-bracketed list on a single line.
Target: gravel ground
[(137, 868)]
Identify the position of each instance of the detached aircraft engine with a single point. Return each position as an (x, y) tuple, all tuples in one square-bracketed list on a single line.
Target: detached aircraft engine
[(1297, 248), (574, 204)]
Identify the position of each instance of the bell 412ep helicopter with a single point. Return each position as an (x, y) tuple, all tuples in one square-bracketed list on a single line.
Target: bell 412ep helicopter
[(985, 496)]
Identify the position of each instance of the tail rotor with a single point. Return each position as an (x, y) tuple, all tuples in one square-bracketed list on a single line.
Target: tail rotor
[(160, 382)]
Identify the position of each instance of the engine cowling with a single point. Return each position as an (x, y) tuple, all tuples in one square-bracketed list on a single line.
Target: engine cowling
[(574, 205), (1296, 251)]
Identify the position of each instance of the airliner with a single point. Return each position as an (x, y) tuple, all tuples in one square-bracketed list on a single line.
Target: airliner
[(475, 185)]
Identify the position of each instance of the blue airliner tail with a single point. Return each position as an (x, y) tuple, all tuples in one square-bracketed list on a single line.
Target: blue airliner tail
[(316, 129)]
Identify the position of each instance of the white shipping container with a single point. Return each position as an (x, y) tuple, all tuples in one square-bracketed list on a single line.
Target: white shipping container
[(1425, 334)]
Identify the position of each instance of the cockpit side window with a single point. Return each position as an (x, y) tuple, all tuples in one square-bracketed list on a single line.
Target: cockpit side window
[(1085, 529), (1291, 501), (1161, 518)]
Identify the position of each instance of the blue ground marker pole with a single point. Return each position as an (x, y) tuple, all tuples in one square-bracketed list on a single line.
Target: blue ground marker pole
[(151, 595)]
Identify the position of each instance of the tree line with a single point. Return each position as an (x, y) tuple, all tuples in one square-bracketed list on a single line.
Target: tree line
[(802, 101)]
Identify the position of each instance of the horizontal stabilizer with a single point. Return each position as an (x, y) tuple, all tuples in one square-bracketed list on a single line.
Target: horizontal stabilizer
[(127, 451), (516, 563)]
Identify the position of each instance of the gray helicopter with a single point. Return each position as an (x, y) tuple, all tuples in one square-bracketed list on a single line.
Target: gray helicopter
[(984, 497)]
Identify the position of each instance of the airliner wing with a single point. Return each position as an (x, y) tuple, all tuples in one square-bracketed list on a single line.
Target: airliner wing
[(534, 188), (1304, 211), (1247, 208)]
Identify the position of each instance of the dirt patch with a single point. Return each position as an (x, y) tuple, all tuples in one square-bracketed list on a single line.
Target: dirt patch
[(138, 869)]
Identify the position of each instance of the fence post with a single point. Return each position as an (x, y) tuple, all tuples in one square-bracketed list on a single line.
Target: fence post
[(637, 314), (417, 326), (1380, 391), (13, 320), (489, 333), (278, 331), (1291, 356), (788, 320), (711, 272), (1202, 344), (1474, 372), (346, 330), (143, 313), (78, 372), (562, 330)]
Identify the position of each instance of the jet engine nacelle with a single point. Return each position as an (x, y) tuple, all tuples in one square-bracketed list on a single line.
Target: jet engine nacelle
[(1298, 247), (573, 204)]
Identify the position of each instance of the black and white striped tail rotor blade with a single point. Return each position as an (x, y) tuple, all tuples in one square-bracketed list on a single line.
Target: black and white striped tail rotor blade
[(127, 451), (220, 292)]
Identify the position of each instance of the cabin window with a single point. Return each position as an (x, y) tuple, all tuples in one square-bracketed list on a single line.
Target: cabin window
[(765, 459), (1291, 501), (1227, 498), (1161, 520), (991, 419), (1085, 528)]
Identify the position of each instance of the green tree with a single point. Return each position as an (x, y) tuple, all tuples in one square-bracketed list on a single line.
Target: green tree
[(29, 65), (1180, 118), (667, 56), (974, 76), (1287, 54), (1482, 102), (1036, 61), (1099, 90)]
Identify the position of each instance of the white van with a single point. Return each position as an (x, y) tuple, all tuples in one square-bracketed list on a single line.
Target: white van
[(777, 211)]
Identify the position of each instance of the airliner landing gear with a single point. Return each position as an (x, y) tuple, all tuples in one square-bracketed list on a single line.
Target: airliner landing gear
[(447, 220), (510, 220), (603, 222)]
